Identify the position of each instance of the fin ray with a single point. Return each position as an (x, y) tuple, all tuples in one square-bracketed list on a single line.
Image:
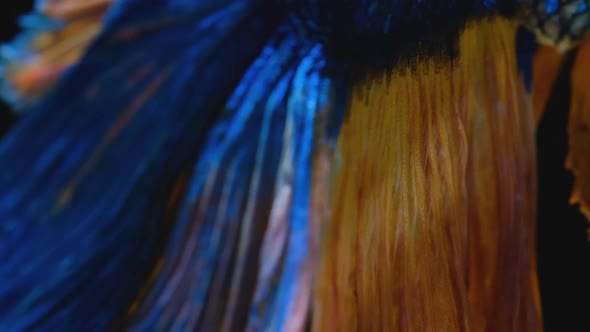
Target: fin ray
[(86, 173)]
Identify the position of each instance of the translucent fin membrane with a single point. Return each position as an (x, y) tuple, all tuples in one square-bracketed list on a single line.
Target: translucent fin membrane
[(433, 220), (500, 183), (85, 176), (55, 35), (240, 257)]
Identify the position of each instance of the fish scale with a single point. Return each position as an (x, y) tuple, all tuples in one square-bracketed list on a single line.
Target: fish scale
[(559, 23)]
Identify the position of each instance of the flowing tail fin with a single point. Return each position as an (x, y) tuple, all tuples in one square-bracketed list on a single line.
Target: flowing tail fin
[(85, 176), (241, 255), (55, 36), (433, 225)]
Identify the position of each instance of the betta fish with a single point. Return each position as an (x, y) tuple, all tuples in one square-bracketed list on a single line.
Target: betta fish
[(281, 165)]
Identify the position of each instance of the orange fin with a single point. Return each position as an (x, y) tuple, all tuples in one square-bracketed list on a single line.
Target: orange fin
[(578, 159), (54, 38), (72, 9), (500, 184), (433, 216)]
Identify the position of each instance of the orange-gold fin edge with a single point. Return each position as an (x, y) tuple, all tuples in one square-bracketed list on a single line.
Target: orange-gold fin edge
[(55, 36)]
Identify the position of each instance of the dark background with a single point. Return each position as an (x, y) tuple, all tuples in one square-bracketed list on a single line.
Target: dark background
[(563, 247)]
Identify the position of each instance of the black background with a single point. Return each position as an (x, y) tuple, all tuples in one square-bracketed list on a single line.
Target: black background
[(563, 247)]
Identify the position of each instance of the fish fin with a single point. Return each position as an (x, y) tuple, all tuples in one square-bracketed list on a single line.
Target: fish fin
[(85, 175), (437, 164), (500, 184), (55, 36), (578, 158), (240, 255)]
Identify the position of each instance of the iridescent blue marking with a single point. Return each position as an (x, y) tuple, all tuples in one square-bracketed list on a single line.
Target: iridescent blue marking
[(81, 259), (551, 6)]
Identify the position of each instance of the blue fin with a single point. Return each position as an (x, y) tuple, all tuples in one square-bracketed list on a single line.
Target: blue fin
[(85, 174), (239, 257)]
